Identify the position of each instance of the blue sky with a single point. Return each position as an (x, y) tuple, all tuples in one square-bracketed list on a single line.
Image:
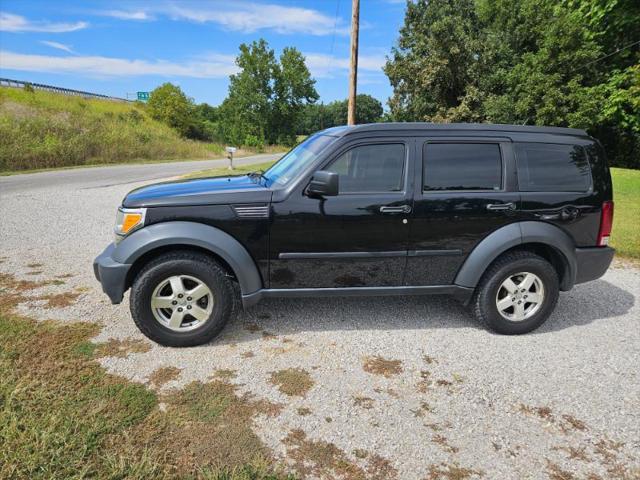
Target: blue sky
[(121, 47)]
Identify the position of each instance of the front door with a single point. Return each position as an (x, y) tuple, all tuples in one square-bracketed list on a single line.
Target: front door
[(355, 239), (465, 189)]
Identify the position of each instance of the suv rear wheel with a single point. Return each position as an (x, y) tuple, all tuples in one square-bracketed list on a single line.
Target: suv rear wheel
[(181, 299), (517, 293)]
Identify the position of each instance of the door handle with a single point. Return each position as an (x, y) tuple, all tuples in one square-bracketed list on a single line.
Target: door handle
[(501, 206), (399, 209)]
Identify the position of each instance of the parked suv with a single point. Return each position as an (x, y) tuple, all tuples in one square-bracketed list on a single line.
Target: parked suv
[(501, 217)]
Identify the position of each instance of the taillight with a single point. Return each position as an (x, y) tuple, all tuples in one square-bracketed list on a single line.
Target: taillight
[(606, 222)]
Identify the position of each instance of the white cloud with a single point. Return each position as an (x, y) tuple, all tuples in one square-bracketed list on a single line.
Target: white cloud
[(210, 66), (127, 14), (246, 17), (326, 66), (16, 23), (58, 46)]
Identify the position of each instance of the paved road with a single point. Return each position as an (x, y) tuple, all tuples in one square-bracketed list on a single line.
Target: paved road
[(94, 177), (409, 381)]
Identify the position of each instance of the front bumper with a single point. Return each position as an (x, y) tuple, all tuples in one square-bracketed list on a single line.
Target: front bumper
[(592, 263), (111, 274)]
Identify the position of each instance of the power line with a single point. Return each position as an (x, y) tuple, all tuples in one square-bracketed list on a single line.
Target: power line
[(610, 54)]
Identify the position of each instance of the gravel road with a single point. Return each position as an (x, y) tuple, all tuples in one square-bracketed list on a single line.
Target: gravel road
[(410, 382)]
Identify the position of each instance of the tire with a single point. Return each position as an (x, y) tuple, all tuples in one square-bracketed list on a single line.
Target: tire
[(520, 316), (156, 281)]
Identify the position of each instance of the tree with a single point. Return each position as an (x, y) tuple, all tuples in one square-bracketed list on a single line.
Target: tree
[(168, 104), (267, 96), (572, 63), (318, 117), (433, 68)]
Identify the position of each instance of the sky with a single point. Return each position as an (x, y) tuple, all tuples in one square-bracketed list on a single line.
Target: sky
[(124, 46)]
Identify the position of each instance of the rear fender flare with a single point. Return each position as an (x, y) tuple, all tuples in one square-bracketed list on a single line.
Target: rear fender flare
[(512, 235)]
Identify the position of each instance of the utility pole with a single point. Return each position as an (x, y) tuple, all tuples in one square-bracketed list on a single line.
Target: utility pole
[(353, 76)]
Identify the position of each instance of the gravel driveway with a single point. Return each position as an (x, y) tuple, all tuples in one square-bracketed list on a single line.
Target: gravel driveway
[(409, 385)]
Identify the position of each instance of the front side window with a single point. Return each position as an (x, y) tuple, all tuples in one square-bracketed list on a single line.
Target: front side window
[(289, 166), (371, 168), (545, 167), (461, 166)]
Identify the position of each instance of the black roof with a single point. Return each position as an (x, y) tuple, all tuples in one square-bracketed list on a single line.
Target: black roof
[(421, 126)]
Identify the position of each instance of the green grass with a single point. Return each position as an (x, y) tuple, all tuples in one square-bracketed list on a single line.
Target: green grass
[(625, 237), (41, 130), (63, 416)]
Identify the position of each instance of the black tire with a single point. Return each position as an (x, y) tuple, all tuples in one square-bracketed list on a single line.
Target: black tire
[(484, 304), (194, 264)]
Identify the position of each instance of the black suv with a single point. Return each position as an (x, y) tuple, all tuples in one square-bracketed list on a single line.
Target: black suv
[(501, 217)]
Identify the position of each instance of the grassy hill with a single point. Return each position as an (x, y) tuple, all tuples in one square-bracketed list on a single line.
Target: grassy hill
[(48, 130)]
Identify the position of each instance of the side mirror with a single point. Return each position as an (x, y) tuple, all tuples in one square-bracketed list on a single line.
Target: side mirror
[(323, 184)]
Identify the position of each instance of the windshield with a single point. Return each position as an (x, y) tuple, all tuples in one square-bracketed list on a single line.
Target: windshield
[(289, 166)]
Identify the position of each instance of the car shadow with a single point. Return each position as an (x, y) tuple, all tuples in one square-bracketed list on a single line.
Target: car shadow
[(584, 304)]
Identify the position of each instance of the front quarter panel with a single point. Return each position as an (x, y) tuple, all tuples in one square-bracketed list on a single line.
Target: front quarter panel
[(189, 233)]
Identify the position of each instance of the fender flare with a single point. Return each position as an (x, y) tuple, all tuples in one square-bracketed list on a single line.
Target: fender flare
[(216, 241), (511, 236)]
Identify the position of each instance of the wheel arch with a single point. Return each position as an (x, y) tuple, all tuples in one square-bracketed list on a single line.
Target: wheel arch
[(544, 239), (145, 244)]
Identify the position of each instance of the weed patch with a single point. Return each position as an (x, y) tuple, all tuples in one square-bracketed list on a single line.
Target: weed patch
[(381, 366), (292, 381), (163, 375), (115, 347)]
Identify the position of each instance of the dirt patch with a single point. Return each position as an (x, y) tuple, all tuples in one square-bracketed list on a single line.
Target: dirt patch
[(225, 374), (451, 472), (381, 366), (444, 443), (556, 473), (163, 375), (121, 348), (292, 381), (363, 402), (252, 327), (321, 459), (60, 300)]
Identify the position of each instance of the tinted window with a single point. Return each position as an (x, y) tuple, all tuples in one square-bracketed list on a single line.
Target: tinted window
[(552, 168), (462, 166), (371, 168)]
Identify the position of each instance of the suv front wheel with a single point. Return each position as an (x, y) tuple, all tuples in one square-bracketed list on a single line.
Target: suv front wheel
[(517, 293), (181, 299)]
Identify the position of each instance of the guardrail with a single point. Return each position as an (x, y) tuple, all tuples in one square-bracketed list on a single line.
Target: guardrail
[(7, 82)]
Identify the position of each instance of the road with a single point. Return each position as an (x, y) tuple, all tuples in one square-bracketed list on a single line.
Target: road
[(406, 388), (107, 176)]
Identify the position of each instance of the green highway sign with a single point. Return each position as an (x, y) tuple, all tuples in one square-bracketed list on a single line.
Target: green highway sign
[(143, 96)]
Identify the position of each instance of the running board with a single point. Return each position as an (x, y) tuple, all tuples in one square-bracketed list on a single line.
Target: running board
[(462, 294)]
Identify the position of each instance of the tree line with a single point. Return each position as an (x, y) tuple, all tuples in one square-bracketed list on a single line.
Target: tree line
[(573, 63)]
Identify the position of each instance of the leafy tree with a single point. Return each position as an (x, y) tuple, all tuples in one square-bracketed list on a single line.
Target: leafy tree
[(168, 104), (540, 62), (267, 96), (318, 117), (433, 68)]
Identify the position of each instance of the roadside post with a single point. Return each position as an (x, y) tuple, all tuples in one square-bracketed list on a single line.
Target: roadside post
[(230, 151)]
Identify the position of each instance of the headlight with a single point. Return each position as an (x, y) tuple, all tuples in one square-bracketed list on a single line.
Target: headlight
[(128, 220)]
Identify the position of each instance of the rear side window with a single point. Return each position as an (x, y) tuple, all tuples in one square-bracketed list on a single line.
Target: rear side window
[(462, 166), (371, 168), (544, 167)]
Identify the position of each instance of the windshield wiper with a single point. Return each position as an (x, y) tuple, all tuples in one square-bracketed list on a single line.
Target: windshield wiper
[(258, 174)]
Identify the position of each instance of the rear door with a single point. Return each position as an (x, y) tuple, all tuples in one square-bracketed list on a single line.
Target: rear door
[(556, 187), (465, 189)]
